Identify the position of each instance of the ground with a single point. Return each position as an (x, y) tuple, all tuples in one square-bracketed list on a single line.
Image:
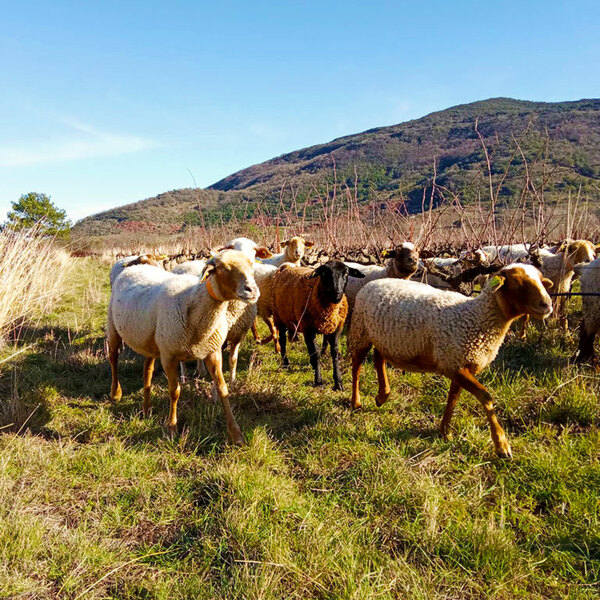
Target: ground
[(97, 502)]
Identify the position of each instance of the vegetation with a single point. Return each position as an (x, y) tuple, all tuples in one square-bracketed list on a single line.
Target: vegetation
[(530, 146), (96, 502), (37, 211), (32, 272)]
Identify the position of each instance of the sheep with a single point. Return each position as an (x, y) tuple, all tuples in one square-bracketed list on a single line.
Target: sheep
[(240, 315), (404, 261), (178, 317), (249, 247), (438, 272), (559, 268), (507, 253), (312, 301), (590, 324), (130, 261), (293, 252), (419, 328), (263, 274)]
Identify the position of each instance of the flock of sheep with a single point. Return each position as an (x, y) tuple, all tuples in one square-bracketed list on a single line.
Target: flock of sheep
[(193, 311)]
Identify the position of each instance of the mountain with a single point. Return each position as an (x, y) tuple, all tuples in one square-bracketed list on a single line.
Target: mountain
[(557, 144)]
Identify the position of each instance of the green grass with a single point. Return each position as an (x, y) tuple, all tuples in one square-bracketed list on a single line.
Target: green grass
[(96, 502)]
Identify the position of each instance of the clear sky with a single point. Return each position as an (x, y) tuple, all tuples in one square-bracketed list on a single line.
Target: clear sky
[(104, 103)]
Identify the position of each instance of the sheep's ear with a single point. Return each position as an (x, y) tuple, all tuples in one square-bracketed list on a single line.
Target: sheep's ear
[(316, 273), (388, 254), (496, 282), (548, 283), (562, 247), (426, 254), (263, 252), (355, 273), (208, 269), (285, 243), (597, 247), (218, 249), (311, 244)]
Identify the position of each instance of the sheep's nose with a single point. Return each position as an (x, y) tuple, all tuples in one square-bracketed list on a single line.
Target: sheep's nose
[(249, 289), (545, 306)]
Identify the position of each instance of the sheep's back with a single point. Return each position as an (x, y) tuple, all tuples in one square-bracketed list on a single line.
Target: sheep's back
[(191, 267), (416, 327)]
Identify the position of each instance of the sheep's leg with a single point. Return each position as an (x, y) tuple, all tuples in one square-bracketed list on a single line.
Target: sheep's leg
[(382, 377), (201, 369), (234, 350), (453, 395), (274, 335), (255, 331), (148, 371), (586, 345), (464, 378), (358, 358), (283, 345), (182, 371), (524, 323), (114, 343), (213, 363), (170, 369), (334, 345), (315, 355)]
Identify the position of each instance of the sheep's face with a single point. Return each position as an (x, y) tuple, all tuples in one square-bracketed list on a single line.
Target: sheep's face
[(405, 259), (334, 277), (247, 246), (521, 290), (234, 273), (295, 248), (580, 251)]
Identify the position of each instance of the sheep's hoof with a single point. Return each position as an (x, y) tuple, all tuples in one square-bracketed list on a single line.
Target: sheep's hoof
[(117, 394), (171, 430), (381, 399), (286, 363), (504, 452), (356, 405), (237, 437), (338, 387), (318, 383)]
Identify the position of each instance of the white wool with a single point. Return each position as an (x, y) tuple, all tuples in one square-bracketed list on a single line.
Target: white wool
[(408, 245), (120, 265), (590, 284), (160, 314), (407, 319), (191, 267)]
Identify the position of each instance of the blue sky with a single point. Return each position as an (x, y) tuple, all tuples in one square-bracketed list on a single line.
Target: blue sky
[(106, 103)]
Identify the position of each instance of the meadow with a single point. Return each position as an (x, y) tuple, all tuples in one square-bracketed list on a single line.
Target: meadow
[(97, 502)]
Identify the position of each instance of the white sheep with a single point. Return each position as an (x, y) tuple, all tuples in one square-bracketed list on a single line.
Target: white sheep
[(293, 252), (263, 274), (590, 325), (240, 315), (130, 261), (419, 328), (403, 262), (559, 268), (178, 317)]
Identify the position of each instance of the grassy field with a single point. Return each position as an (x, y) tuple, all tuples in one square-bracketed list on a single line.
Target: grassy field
[(96, 502)]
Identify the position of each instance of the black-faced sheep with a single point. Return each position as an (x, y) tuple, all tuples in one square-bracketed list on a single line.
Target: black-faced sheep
[(310, 302)]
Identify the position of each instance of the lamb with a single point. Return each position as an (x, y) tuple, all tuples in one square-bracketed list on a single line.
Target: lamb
[(508, 253), (293, 252), (312, 301), (404, 261), (590, 324), (178, 317), (130, 261), (419, 328)]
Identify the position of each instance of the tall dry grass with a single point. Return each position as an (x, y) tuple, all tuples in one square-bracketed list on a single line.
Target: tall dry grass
[(32, 271)]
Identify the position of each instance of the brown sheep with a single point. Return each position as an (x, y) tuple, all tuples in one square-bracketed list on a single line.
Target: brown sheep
[(310, 302)]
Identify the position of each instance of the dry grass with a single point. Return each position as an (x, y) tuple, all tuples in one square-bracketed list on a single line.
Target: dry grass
[(32, 271)]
